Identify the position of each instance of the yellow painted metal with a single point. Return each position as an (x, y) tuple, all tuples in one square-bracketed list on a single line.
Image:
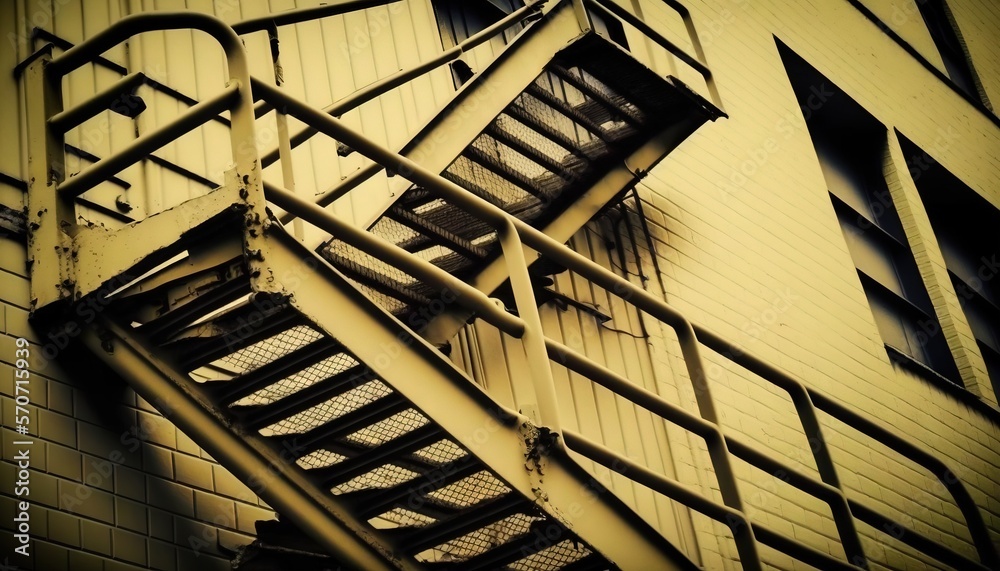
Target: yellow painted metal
[(271, 475), (51, 218)]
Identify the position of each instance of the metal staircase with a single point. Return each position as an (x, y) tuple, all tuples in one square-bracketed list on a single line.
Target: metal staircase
[(559, 125), (306, 374), (569, 124), (363, 413)]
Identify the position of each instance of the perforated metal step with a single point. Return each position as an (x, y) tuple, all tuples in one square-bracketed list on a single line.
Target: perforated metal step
[(590, 108)]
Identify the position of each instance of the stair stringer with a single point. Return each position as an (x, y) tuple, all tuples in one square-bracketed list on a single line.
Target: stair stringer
[(262, 468), (506, 441), (476, 104)]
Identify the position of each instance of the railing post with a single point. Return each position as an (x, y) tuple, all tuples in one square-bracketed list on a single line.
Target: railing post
[(746, 543), (582, 16), (51, 218), (533, 338)]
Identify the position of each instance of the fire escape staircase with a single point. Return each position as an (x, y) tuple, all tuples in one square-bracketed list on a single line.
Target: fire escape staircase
[(305, 372)]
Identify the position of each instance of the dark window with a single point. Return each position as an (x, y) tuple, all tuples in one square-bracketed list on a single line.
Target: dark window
[(851, 146), (947, 37), (458, 20), (967, 228)]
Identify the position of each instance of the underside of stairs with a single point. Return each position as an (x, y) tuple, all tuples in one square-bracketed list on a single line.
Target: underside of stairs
[(308, 373), (590, 110), (397, 445)]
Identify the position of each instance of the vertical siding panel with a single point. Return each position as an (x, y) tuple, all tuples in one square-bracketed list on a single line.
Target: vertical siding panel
[(613, 355), (12, 33), (496, 379), (384, 55), (338, 50), (190, 149), (318, 72), (210, 77), (415, 96), (592, 406), (560, 375), (367, 118), (77, 86), (429, 45)]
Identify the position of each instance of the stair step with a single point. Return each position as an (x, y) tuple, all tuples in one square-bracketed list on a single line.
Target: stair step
[(436, 234), (195, 352), (173, 321), (374, 279), (426, 506), (546, 96), (454, 219), (255, 417), (611, 106), (234, 322), (469, 520), (496, 166), (333, 476), (226, 392), (370, 503), (521, 547), (359, 418), (518, 144), (522, 115)]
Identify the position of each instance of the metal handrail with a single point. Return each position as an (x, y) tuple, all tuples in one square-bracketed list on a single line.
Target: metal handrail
[(696, 61), (236, 97), (690, 336), (516, 232), (390, 82), (296, 16)]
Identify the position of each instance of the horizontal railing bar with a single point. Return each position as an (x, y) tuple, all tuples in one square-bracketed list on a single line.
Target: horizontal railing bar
[(394, 80), (653, 480), (790, 475), (614, 10), (296, 16), (734, 519), (146, 144), (915, 539), (652, 402), (73, 117), (466, 295), (135, 24), (974, 520), (581, 364)]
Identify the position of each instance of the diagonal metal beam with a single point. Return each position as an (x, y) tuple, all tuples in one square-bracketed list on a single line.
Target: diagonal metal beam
[(434, 386), (279, 483), (562, 228), (288, 17)]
